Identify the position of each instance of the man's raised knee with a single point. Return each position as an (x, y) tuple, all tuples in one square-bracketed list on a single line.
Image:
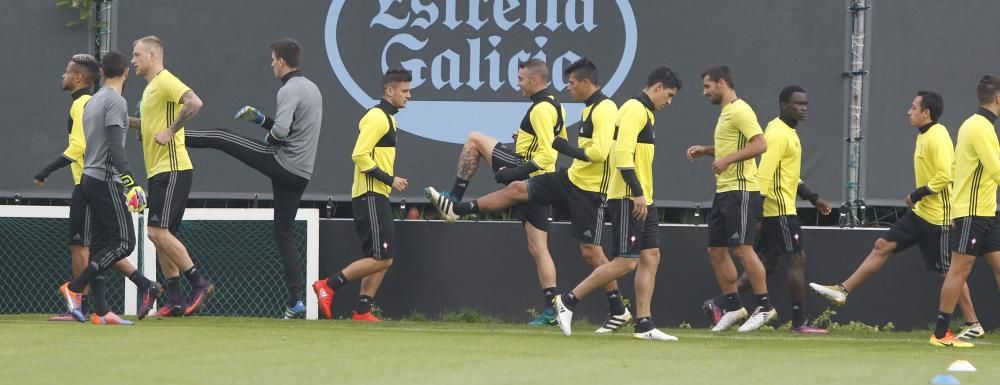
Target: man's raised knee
[(517, 187), (884, 247), (475, 138)]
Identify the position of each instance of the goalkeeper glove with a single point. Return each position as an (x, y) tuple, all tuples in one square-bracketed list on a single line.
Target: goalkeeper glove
[(135, 197), (250, 114)]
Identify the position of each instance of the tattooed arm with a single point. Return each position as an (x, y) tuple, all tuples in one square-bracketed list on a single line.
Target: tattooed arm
[(191, 104)]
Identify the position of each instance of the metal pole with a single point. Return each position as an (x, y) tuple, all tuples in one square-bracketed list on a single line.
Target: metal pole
[(105, 22), (852, 211)]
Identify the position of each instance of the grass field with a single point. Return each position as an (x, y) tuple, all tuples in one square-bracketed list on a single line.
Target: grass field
[(207, 350)]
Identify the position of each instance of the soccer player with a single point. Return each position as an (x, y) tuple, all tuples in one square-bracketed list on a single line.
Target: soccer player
[(633, 213), (581, 187), (976, 228), (534, 154), (78, 79), (107, 185), (286, 154), (927, 224), (374, 156), (781, 232), (732, 223), (169, 172)]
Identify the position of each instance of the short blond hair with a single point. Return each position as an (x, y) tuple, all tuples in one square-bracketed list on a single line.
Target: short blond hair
[(151, 41)]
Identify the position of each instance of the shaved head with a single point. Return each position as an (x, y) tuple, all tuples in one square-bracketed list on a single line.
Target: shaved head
[(536, 67)]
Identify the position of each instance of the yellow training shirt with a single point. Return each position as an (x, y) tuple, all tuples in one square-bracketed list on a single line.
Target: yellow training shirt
[(933, 159), (77, 144), (780, 167), (376, 147), (977, 167), (634, 147), (538, 129), (596, 136), (737, 124), (158, 108)]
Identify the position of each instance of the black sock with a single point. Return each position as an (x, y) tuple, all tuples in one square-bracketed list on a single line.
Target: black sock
[(140, 281), (458, 189), (174, 296), (720, 301), (569, 300), (364, 304), (763, 301), (194, 277), (733, 301), (549, 293), (294, 295), (943, 324), (615, 303), (466, 208), (97, 298), (337, 281), (644, 324), (798, 315), (81, 281), (85, 304), (967, 323)]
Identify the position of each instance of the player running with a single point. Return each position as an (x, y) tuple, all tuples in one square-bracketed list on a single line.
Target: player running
[(632, 212), (374, 156)]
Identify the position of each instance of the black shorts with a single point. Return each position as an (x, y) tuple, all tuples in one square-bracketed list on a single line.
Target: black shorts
[(529, 212), (537, 215), (503, 156), (630, 234), (167, 196), (79, 219), (780, 235), (110, 221), (733, 218), (586, 208), (975, 235), (932, 239), (373, 222)]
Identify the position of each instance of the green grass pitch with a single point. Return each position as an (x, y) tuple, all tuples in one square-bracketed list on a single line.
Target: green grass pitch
[(207, 350)]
